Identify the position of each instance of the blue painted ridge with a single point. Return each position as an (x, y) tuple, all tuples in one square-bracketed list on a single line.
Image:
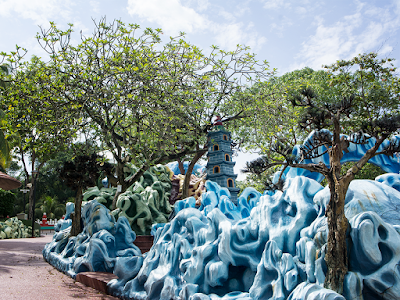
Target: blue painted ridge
[(275, 252), (354, 152)]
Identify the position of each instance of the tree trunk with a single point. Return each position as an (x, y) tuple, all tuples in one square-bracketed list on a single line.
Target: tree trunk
[(137, 175), (31, 214), (114, 202), (121, 176), (121, 181), (186, 182), (31, 211), (76, 216), (181, 166), (336, 252)]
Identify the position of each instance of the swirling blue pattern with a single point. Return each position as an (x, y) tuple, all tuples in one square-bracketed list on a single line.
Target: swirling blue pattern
[(99, 247), (268, 246), (354, 152), (277, 252)]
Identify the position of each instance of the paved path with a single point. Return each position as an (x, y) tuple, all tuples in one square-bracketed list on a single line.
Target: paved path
[(24, 274)]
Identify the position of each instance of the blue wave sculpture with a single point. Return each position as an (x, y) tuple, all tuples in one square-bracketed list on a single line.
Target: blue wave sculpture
[(174, 167), (101, 244), (268, 247), (277, 252), (353, 153)]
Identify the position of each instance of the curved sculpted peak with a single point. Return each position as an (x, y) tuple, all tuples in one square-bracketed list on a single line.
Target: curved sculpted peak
[(267, 247), (146, 201), (352, 153), (97, 248), (390, 179)]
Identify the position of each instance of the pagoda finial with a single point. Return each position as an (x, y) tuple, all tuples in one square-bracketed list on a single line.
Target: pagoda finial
[(218, 123)]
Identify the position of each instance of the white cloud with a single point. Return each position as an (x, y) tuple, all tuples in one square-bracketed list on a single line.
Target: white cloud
[(275, 4), (227, 16), (301, 10), (95, 5), (171, 15), (279, 28), (230, 35), (201, 5), (40, 11), (365, 30)]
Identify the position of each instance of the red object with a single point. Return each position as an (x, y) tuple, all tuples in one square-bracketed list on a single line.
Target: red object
[(44, 221), (218, 121)]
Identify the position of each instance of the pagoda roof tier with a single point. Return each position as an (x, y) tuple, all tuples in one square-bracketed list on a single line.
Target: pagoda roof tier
[(219, 162), (215, 175)]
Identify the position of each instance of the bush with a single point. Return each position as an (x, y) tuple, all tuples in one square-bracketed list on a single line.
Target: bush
[(38, 213), (59, 212), (7, 200)]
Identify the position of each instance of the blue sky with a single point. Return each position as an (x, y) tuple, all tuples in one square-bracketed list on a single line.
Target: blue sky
[(289, 34)]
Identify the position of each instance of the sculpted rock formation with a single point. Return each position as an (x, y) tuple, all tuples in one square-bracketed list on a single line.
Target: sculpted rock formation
[(277, 252), (13, 228), (98, 248), (269, 246), (144, 203)]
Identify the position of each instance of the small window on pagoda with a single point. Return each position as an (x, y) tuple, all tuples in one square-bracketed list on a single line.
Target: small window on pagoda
[(227, 158), (230, 182), (225, 137), (216, 147), (216, 169)]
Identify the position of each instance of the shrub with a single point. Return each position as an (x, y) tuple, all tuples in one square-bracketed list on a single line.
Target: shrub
[(7, 200), (38, 213)]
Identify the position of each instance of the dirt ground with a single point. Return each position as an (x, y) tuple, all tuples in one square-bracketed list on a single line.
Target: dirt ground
[(24, 274)]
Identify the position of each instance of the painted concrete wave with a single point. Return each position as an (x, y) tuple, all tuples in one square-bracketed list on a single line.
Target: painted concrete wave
[(267, 247)]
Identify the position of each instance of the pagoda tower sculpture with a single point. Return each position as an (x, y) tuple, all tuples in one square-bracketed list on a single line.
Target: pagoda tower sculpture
[(220, 165)]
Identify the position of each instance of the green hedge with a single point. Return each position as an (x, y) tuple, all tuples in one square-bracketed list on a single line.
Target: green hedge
[(29, 223)]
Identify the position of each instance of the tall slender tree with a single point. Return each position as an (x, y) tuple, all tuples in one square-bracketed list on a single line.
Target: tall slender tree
[(83, 171), (40, 121)]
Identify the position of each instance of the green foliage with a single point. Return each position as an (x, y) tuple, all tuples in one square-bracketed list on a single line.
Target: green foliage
[(7, 200), (40, 130), (51, 207), (270, 115), (252, 180), (369, 171), (146, 101), (363, 92), (4, 146), (49, 183), (81, 172), (359, 98), (38, 213)]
